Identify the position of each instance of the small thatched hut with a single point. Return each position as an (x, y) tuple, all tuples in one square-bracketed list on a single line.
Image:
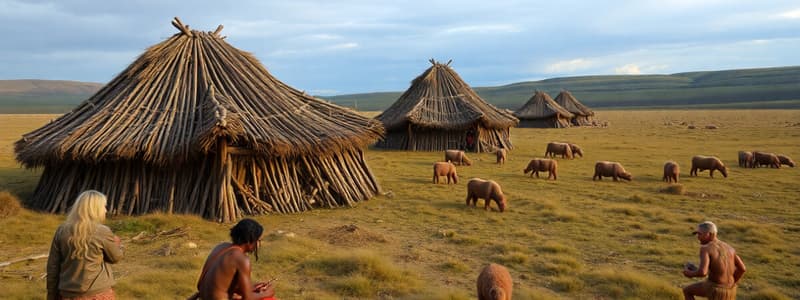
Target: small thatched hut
[(542, 112), (440, 111), (197, 126), (583, 114)]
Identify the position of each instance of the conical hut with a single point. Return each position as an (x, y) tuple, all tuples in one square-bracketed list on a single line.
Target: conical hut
[(542, 112), (583, 114), (197, 126), (440, 111)]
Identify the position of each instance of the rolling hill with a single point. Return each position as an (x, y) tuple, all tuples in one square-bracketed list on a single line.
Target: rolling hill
[(743, 88)]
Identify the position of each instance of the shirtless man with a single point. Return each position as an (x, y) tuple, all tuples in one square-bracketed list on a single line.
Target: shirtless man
[(719, 261), (226, 273)]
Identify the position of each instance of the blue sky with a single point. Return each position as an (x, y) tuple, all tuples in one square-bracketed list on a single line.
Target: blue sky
[(342, 47)]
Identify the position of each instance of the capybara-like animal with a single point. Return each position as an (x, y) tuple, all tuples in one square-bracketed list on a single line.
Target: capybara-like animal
[(576, 150), (494, 283), (457, 157), (765, 158), (746, 159), (610, 169), (444, 169), (785, 160), (702, 163), (501, 155), (487, 190), (671, 171), (543, 164), (554, 149)]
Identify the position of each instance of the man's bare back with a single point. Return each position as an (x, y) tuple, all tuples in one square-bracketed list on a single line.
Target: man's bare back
[(223, 266), (719, 262)]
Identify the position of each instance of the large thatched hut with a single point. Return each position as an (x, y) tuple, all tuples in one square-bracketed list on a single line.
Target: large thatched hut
[(440, 111), (583, 114), (542, 112), (197, 126)]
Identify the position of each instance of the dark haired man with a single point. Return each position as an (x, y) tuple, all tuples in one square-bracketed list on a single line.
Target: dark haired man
[(719, 261), (226, 273)]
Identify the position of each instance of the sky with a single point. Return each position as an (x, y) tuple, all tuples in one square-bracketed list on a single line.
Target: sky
[(352, 46)]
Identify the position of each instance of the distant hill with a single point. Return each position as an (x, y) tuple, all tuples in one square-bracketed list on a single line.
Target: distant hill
[(743, 88), (43, 96)]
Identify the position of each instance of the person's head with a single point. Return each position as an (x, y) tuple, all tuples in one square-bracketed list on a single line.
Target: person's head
[(88, 210), (706, 231), (247, 233)]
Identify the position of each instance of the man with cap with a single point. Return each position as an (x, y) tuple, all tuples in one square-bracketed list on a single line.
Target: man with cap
[(719, 261)]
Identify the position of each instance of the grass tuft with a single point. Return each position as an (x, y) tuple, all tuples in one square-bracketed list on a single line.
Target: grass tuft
[(9, 205), (673, 189), (620, 283)]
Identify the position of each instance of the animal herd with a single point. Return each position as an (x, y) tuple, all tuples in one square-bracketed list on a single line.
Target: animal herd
[(494, 281), (490, 191)]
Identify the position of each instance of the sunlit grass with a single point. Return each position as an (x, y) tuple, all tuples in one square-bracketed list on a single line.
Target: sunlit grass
[(571, 238)]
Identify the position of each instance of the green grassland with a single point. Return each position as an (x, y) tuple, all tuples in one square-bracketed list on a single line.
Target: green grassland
[(572, 238), (745, 88)]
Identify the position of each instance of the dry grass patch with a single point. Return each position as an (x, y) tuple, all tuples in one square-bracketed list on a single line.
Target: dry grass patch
[(619, 283), (9, 205), (361, 274)]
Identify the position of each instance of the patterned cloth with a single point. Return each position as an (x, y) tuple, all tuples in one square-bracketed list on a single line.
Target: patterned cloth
[(720, 292)]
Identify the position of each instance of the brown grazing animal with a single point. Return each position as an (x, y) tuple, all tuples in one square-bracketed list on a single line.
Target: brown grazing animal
[(610, 169), (554, 149), (444, 169), (711, 126), (746, 159), (702, 163), (543, 164), (501, 155), (671, 172), (457, 157), (765, 158), (785, 160), (576, 150), (487, 190), (494, 283)]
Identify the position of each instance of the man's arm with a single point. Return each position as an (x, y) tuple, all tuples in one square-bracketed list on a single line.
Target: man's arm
[(244, 284), (702, 269), (740, 269)]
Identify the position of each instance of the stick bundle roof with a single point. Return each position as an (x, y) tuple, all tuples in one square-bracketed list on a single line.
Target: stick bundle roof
[(184, 93), (571, 104), (540, 105), (440, 99)]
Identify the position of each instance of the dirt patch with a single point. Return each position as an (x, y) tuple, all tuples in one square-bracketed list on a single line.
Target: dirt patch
[(349, 235), (678, 189)]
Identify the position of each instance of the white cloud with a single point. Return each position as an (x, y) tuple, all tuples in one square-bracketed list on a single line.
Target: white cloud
[(342, 46), (629, 69), (792, 14), (568, 66), (482, 29)]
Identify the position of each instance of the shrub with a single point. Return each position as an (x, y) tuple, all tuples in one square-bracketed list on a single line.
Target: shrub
[(9, 205), (674, 189)]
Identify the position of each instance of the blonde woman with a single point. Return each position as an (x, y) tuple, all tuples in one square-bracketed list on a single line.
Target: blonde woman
[(82, 248)]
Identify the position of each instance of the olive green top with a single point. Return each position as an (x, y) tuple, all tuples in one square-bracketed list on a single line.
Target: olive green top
[(73, 277)]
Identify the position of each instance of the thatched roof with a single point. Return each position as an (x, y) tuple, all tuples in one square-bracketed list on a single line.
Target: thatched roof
[(184, 93), (440, 99), (571, 104), (541, 106)]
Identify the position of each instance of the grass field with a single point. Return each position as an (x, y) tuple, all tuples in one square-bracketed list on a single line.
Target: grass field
[(572, 238)]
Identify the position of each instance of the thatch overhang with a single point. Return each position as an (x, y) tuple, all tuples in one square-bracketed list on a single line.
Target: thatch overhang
[(571, 104), (440, 99), (541, 105), (159, 110)]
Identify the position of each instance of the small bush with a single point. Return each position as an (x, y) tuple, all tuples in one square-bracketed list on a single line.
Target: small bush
[(9, 205), (566, 284), (673, 189)]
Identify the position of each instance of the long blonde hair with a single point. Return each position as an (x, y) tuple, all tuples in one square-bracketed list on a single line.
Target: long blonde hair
[(88, 210)]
